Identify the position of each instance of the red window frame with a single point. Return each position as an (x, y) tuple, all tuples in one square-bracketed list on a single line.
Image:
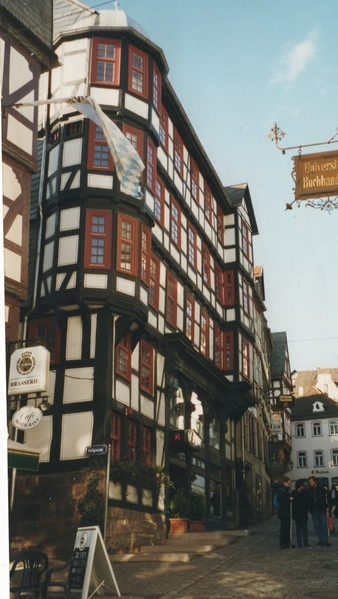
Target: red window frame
[(207, 202), (218, 348), (171, 300), (190, 318), (99, 156), (154, 284), (246, 359), (219, 290), (205, 265), (175, 222), (106, 61), (135, 137), (157, 88), (159, 201), (145, 255), (229, 288), (97, 243), (131, 441), (127, 246), (151, 166), (246, 297), (220, 224), (204, 334), (123, 357), (178, 153), (48, 332), (146, 446), (192, 246), (194, 181), (245, 239), (138, 72), (146, 368), (228, 351), (116, 437), (164, 128)]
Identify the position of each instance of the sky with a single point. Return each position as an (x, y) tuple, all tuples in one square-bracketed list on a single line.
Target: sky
[(237, 68)]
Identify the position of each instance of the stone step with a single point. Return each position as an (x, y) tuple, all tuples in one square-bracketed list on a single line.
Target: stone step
[(153, 557), (182, 548), (207, 537)]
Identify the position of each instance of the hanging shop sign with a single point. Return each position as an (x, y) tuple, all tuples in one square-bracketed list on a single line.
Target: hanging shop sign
[(315, 175), (26, 418), (286, 401), (28, 371)]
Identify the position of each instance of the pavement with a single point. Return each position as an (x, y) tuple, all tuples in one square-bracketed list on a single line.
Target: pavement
[(253, 567)]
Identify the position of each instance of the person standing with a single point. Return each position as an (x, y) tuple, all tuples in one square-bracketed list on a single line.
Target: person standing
[(284, 500), (319, 509), (333, 501), (300, 510)]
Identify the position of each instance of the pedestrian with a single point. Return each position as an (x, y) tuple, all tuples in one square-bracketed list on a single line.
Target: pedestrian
[(284, 500), (300, 508), (319, 509), (333, 501)]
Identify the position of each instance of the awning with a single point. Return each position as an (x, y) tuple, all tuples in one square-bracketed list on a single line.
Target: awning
[(22, 456)]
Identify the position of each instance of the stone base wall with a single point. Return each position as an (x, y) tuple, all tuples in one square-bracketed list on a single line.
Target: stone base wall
[(128, 530)]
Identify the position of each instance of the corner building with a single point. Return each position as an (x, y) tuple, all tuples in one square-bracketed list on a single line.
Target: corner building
[(146, 303)]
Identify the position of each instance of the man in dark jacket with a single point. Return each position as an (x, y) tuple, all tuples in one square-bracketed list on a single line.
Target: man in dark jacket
[(319, 508), (300, 510), (284, 500)]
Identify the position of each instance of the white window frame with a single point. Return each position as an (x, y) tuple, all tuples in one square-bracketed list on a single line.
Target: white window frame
[(313, 425), (334, 457), (333, 424), (318, 456), (298, 425), (302, 457)]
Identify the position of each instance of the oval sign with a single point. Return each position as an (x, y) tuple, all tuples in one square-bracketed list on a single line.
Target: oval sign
[(26, 418)]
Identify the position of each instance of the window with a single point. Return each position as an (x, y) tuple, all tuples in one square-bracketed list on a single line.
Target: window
[(123, 357), (301, 459), (178, 153), (164, 128), (175, 223), (245, 239), (274, 458), (99, 156), (219, 283), (318, 458), (245, 359), (228, 351), (145, 255), (220, 224), (131, 441), (151, 166), (171, 301), (97, 239), (138, 72), (157, 86), (218, 349), (126, 251), (106, 59), (47, 331), (316, 429), (146, 367), (153, 292), (194, 181), (334, 457), (159, 202), (73, 129), (300, 429), (192, 247), (146, 446), (190, 318), (204, 334), (246, 298), (207, 202), (333, 427), (115, 437), (229, 288), (135, 137), (205, 265)]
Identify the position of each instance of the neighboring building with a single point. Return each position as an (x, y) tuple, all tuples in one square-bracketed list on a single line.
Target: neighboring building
[(315, 438), (281, 443), (147, 304)]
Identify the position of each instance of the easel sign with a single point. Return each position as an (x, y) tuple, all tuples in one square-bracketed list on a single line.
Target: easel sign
[(90, 560)]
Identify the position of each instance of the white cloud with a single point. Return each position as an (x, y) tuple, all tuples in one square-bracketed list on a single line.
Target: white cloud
[(296, 59)]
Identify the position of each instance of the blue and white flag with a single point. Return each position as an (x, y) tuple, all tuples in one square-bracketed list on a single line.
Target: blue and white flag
[(128, 164)]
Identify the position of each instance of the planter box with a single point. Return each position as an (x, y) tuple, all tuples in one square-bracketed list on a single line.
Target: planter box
[(196, 526), (179, 524)]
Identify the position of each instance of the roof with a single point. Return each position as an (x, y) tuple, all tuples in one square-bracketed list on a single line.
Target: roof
[(239, 193), (306, 379), (36, 18), (277, 355), (306, 407)]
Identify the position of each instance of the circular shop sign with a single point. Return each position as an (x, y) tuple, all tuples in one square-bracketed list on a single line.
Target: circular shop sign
[(26, 418)]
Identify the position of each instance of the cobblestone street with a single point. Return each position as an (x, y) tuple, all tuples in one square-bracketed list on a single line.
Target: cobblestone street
[(253, 567)]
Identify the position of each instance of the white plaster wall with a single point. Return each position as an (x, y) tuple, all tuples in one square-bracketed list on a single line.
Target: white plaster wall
[(76, 435)]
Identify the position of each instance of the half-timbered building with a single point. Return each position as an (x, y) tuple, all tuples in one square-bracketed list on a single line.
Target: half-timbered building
[(146, 302)]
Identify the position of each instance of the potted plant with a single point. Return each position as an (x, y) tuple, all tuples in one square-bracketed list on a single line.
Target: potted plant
[(197, 514), (179, 510)]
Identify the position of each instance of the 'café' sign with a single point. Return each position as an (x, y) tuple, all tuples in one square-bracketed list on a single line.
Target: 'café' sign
[(26, 418), (28, 371)]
